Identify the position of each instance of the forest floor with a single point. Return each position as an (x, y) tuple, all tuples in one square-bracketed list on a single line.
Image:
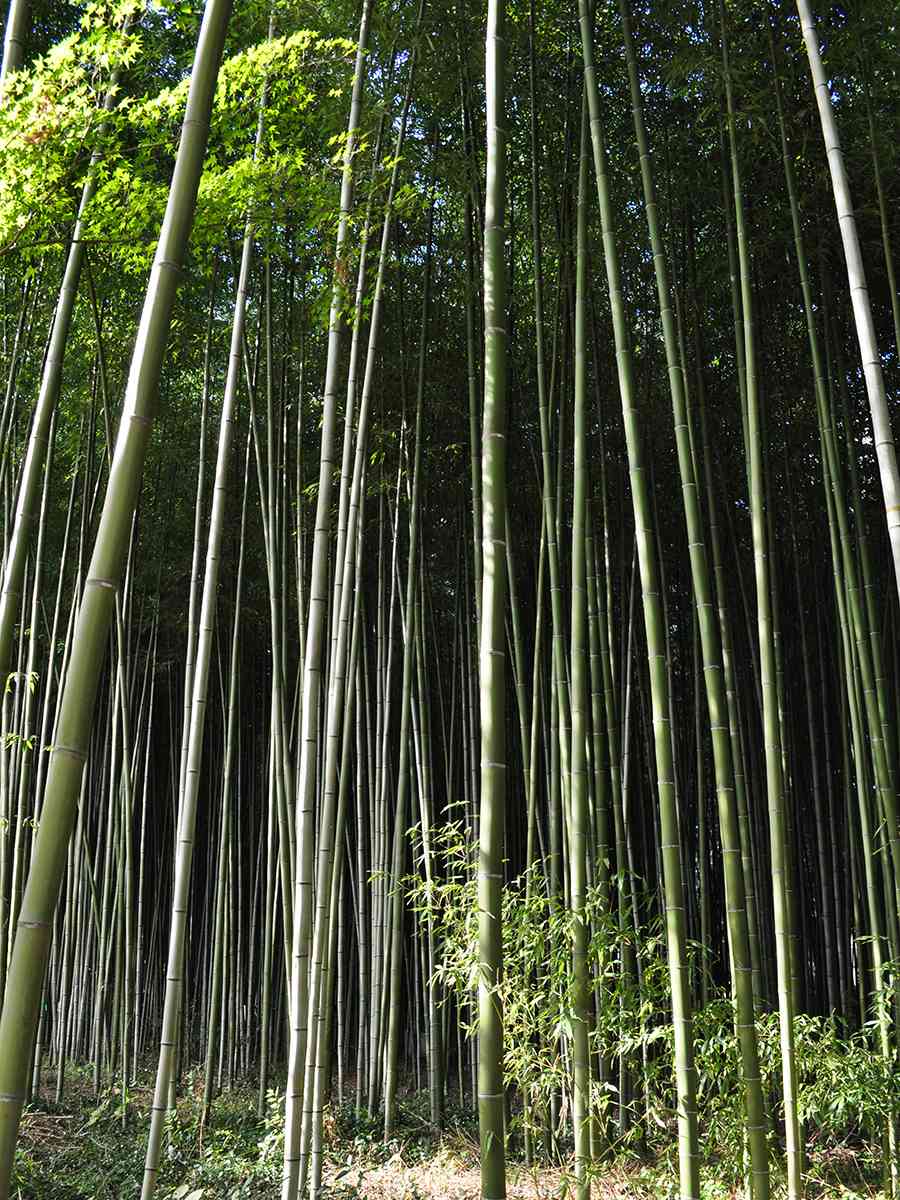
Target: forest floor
[(85, 1149)]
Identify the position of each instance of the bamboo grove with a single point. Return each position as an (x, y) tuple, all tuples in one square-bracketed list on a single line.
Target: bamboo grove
[(451, 562)]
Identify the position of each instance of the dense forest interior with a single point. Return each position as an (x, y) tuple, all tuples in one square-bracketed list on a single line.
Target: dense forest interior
[(450, 610)]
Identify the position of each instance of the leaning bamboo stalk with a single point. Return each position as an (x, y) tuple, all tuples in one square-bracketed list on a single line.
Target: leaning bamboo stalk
[(45, 406), (859, 292), (18, 1022)]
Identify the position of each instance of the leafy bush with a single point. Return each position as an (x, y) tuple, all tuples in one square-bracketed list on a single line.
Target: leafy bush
[(847, 1089), (536, 990)]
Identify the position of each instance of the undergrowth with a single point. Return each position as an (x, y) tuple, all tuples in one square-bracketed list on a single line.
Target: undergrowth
[(90, 1149), (94, 1150)]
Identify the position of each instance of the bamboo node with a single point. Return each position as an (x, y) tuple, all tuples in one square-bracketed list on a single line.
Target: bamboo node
[(72, 751)]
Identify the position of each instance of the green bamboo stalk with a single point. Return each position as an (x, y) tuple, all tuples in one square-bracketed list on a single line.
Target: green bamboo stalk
[(773, 748), (756, 1126), (398, 852), (312, 662), (17, 18), (688, 1144), (579, 841), (187, 808), (216, 988), (338, 709), (492, 663)]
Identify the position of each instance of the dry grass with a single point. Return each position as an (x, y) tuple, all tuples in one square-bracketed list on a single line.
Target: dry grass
[(46, 1130), (442, 1176), (453, 1174)]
